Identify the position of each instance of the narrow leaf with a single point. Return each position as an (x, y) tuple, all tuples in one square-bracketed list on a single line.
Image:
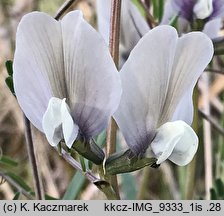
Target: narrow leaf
[(48, 197), (17, 195), (8, 161), (8, 65), (160, 9), (213, 194), (155, 8), (74, 187), (9, 83), (219, 187), (19, 181)]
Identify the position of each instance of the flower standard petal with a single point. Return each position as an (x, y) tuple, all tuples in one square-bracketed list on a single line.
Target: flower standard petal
[(175, 141), (145, 78), (185, 110), (38, 65), (93, 83), (193, 53)]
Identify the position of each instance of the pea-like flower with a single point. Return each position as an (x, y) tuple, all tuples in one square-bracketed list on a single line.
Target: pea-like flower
[(210, 11), (65, 80), (156, 106)]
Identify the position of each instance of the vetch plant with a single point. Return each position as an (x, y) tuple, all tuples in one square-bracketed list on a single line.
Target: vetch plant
[(67, 84), (65, 80)]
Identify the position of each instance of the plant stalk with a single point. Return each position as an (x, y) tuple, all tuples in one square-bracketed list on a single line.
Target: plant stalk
[(38, 186), (63, 8), (114, 50), (191, 168), (102, 185)]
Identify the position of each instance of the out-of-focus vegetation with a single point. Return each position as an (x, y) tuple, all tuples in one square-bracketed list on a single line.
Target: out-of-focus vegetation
[(59, 179)]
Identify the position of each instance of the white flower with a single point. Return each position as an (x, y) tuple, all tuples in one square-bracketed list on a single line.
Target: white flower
[(65, 80), (203, 8), (156, 105)]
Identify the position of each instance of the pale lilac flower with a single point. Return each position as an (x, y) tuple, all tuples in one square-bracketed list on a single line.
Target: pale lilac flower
[(156, 105), (210, 11), (65, 79)]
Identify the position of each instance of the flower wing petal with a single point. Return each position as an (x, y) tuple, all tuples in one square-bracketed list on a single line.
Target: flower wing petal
[(175, 141), (145, 78), (93, 83)]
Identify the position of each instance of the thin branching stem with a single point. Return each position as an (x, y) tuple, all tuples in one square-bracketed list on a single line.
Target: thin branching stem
[(114, 50), (115, 30), (212, 121), (151, 21), (191, 168), (38, 186), (16, 185), (75, 164), (64, 8), (100, 184), (207, 137), (214, 70)]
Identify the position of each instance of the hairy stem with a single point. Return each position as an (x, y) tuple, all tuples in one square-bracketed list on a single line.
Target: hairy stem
[(38, 187), (114, 50)]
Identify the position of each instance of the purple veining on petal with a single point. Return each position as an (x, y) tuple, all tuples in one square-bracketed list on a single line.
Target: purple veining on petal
[(90, 120), (185, 7), (141, 143)]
